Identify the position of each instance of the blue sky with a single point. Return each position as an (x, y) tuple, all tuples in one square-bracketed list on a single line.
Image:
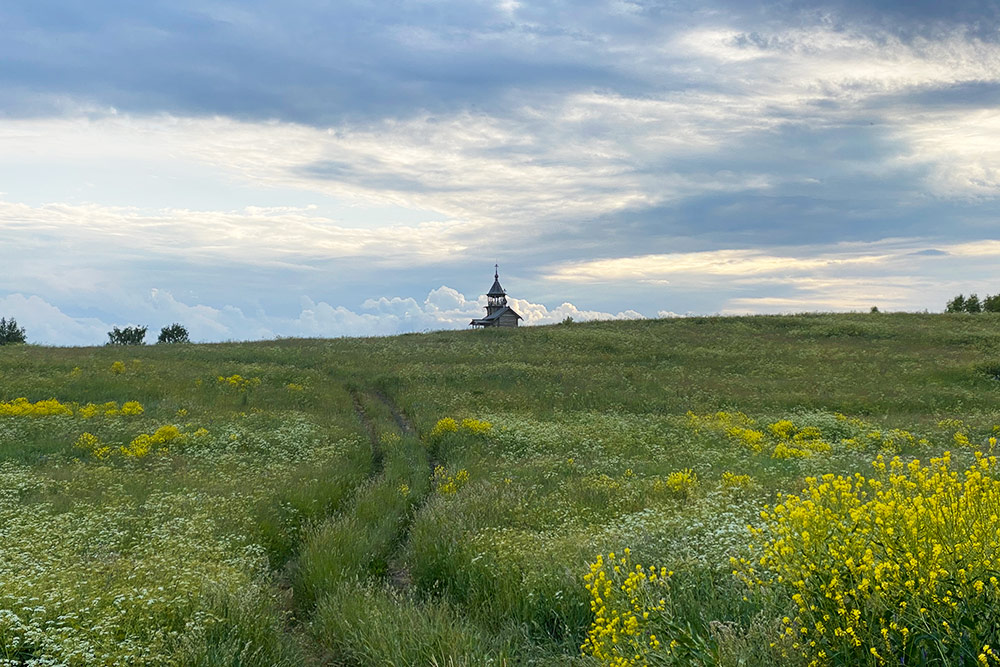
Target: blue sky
[(255, 169)]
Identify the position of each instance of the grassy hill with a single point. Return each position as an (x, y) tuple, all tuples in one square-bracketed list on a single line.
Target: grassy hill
[(456, 497)]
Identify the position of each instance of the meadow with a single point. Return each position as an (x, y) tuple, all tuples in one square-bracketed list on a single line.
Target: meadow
[(773, 490)]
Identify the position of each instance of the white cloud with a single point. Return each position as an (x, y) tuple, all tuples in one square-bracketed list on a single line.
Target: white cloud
[(44, 323), (92, 238), (536, 313), (895, 273), (961, 147), (444, 308), (659, 269), (444, 299)]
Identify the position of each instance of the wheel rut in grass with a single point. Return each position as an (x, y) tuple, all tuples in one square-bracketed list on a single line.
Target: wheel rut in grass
[(378, 456), (403, 422), (398, 574), (296, 613)]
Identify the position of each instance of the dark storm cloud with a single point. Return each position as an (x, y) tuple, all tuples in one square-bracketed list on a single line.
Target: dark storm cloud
[(904, 18), (307, 62), (321, 62)]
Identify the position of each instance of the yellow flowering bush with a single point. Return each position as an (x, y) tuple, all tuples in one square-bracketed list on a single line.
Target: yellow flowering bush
[(90, 443), (733, 482), (737, 426), (132, 408), (91, 410), (145, 443), (784, 439), (22, 407), (893, 440), (679, 484), (631, 609), (294, 387), (783, 428), (446, 425), (476, 426), (237, 382), (890, 568), (117, 367), (448, 484)]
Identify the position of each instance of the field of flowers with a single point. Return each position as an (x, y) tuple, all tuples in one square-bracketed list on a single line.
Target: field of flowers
[(818, 489)]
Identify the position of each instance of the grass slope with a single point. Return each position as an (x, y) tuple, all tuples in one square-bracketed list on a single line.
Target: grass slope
[(301, 501)]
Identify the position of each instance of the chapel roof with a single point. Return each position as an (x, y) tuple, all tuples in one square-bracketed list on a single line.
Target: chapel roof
[(496, 290), (489, 319)]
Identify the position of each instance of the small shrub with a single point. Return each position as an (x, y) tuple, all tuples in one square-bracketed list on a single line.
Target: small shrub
[(734, 482), (446, 425), (92, 444), (175, 333), (145, 443), (635, 618), (127, 336), (448, 484), (237, 382), (132, 408), (678, 484), (476, 426), (10, 333)]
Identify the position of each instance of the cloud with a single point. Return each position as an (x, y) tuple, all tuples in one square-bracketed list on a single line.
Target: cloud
[(894, 273), (716, 264), (444, 308), (534, 313), (44, 323), (323, 63)]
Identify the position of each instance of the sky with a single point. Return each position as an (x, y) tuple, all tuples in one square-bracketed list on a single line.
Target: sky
[(329, 168)]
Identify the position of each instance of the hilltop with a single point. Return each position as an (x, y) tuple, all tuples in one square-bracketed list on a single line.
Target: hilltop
[(445, 496)]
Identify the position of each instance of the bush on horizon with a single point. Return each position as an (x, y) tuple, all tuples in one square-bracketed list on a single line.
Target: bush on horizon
[(127, 336), (10, 333)]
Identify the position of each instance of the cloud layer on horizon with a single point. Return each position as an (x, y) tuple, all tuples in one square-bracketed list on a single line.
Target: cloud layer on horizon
[(443, 308)]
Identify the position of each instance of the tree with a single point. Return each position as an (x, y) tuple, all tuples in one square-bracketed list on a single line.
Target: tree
[(956, 305), (127, 336), (175, 333), (10, 333), (874, 309), (972, 304), (991, 304)]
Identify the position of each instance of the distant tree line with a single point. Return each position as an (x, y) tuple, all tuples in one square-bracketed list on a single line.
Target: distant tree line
[(972, 304), (175, 333), (12, 334)]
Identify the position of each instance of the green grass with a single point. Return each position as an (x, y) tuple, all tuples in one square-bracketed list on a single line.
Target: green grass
[(284, 535)]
